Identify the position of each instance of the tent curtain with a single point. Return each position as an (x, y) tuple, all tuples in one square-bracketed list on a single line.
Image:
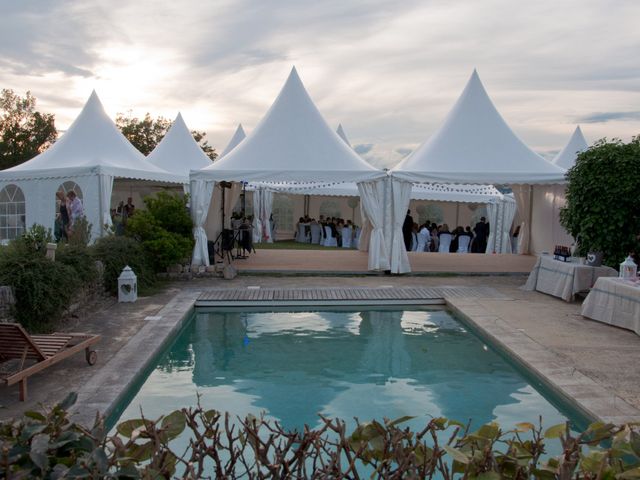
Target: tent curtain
[(372, 198), (400, 198), (492, 216), (508, 212), (201, 193), (365, 230), (106, 189), (265, 215), (257, 222), (522, 194), (232, 195)]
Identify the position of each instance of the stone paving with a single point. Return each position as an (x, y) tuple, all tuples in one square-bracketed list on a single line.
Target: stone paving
[(603, 358)]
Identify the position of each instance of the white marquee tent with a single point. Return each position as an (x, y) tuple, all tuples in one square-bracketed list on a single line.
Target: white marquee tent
[(178, 152), (293, 143), (237, 137), (475, 145), (567, 156), (91, 154)]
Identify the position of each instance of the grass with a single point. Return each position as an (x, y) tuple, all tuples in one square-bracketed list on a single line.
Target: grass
[(291, 245)]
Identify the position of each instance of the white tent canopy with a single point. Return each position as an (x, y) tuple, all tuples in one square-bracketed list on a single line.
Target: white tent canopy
[(576, 144), (292, 143), (178, 152), (90, 154), (475, 145), (238, 136), (342, 135)]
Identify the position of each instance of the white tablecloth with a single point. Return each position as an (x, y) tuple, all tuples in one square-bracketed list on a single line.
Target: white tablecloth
[(614, 301), (562, 279)]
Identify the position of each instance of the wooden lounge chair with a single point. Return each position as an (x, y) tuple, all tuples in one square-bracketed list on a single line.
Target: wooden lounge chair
[(45, 350)]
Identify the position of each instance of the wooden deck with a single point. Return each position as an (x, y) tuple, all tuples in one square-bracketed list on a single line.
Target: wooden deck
[(256, 296), (354, 262)]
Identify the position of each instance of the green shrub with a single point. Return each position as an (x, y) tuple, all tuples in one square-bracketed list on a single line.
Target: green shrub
[(49, 445), (81, 233), (117, 252), (43, 288), (79, 258), (603, 204), (163, 229), (33, 240)]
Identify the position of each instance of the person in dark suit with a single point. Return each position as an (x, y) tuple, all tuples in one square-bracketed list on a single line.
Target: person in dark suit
[(407, 230), (481, 231)]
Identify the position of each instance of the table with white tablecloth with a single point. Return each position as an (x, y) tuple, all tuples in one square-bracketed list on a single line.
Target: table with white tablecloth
[(564, 279), (614, 301)]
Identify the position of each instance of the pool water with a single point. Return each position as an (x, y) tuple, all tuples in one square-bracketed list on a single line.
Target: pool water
[(368, 364)]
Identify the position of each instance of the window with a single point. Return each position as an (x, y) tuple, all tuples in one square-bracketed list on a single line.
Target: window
[(70, 186), (283, 213), (329, 208), (12, 212)]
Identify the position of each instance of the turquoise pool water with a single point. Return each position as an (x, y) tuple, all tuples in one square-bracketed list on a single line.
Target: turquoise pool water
[(366, 364)]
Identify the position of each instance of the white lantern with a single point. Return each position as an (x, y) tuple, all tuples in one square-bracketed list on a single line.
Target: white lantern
[(628, 268), (127, 285)]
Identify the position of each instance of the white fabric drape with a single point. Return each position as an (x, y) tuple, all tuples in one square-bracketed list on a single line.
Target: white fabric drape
[(492, 217), (508, 212), (265, 214), (522, 194), (106, 189), (257, 222), (400, 198), (365, 230), (201, 192), (372, 197)]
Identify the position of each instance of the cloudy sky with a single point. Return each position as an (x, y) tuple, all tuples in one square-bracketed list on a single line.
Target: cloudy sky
[(388, 71)]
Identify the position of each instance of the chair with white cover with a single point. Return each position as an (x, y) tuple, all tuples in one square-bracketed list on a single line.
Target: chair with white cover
[(445, 243), (356, 238), (347, 233), (301, 236), (316, 234), (423, 240), (414, 242), (463, 243), (329, 239)]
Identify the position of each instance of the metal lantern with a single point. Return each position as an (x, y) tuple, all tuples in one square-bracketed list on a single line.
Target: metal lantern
[(628, 268), (127, 285)]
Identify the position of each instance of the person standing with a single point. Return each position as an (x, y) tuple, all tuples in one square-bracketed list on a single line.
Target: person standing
[(481, 231), (62, 222), (407, 230), (76, 210)]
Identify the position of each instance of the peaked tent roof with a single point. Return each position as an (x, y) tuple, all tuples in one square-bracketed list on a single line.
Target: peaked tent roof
[(475, 145), (238, 136), (342, 135), (178, 152), (567, 156), (292, 143), (92, 144)]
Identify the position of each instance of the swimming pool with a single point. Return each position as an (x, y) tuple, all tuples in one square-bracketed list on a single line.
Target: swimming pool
[(346, 363)]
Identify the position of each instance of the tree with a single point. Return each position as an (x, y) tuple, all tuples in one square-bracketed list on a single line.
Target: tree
[(147, 132), (24, 132), (603, 200)]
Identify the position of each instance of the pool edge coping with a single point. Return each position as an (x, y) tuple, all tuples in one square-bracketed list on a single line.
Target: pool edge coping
[(572, 386)]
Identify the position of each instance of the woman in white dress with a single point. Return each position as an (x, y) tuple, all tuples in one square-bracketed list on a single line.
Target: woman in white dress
[(424, 238)]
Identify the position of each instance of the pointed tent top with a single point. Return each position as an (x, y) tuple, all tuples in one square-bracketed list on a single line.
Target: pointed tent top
[(567, 156), (178, 152), (238, 136), (92, 142), (292, 143), (475, 145), (343, 136)]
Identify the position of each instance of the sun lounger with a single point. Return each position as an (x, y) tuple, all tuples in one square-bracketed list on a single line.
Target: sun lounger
[(44, 350)]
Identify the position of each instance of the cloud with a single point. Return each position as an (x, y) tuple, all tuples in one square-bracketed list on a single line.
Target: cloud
[(363, 149), (403, 151), (604, 117)]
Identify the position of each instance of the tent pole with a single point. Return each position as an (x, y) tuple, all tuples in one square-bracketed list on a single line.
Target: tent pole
[(530, 216), (100, 195)]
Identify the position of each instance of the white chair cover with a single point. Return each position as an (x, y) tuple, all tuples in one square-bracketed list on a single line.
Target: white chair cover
[(423, 239), (329, 241), (445, 243), (463, 243), (415, 245), (356, 238), (301, 235), (316, 234), (347, 233)]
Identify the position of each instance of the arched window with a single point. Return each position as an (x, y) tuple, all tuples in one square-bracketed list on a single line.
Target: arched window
[(12, 212), (71, 186), (330, 208), (283, 212)]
